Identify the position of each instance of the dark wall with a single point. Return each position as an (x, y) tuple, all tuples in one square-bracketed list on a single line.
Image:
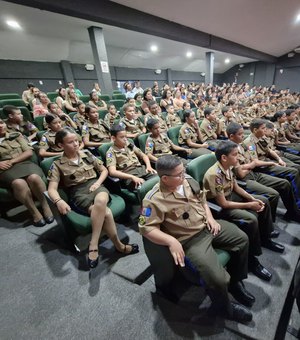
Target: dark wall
[(14, 75)]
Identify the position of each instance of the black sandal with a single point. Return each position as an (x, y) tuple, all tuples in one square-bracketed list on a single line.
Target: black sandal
[(93, 263), (134, 249)]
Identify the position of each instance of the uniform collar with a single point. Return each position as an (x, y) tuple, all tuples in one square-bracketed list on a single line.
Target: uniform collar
[(64, 159), (225, 173), (167, 193), (254, 138)]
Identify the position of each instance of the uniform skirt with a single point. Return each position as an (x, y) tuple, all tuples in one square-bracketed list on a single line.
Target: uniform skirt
[(17, 171), (81, 198)]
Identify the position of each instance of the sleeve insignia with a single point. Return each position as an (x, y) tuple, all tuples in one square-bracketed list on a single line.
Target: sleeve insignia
[(146, 212), (142, 220), (251, 147)]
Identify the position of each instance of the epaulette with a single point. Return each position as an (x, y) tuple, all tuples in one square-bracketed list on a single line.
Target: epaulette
[(152, 191), (13, 135)]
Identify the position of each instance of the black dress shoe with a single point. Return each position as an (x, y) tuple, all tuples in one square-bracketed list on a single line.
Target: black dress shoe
[(40, 223), (93, 263), (49, 219), (274, 246), (238, 313), (261, 272), (274, 234), (134, 249), (239, 292)]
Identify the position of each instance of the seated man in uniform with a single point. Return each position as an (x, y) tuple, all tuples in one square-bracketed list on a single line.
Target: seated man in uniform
[(159, 144), (251, 213), (209, 128), (175, 214), (122, 160)]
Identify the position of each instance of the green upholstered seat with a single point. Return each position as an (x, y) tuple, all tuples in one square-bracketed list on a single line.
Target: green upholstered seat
[(52, 96), (173, 134), (119, 96), (77, 222), (117, 102), (39, 122), (142, 141), (85, 98), (15, 102), (102, 113), (198, 166), (9, 96), (117, 92), (105, 97)]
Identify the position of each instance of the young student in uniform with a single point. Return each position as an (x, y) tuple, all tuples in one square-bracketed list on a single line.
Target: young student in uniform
[(260, 183), (172, 117), (290, 126), (252, 213), (155, 113), (190, 136), (20, 175), (86, 191), (112, 115), (258, 147), (159, 144), (224, 121), (123, 160), (16, 123), (94, 132), (64, 118), (80, 118), (133, 127), (276, 138), (210, 128), (175, 214)]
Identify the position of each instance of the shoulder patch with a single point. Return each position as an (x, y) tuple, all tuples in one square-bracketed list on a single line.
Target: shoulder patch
[(146, 212), (251, 148)]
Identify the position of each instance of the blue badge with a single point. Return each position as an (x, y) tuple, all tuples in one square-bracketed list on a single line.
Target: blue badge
[(146, 212), (109, 155), (251, 147)]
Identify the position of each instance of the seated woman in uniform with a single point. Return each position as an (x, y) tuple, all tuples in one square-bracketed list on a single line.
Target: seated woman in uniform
[(19, 174), (78, 172), (190, 135), (64, 118), (47, 146), (96, 102), (94, 132)]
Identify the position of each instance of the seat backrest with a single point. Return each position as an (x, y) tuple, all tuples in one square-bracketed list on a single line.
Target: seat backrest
[(9, 96), (103, 149), (52, 96), (158, 99), (142, 140), (102, 114), (15, 102), (105, 97), (117, 92), (84, 98), (173, 134), (146, 186), (39, 122), (26, 114), (119, 96), (198, 166), (47, 162), (39, 134), (117, 102)]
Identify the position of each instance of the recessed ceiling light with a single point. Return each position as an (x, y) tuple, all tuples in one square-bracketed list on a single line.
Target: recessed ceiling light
[(13, 24), (153, 48), (189, 54), (298, 18), (227, 61)]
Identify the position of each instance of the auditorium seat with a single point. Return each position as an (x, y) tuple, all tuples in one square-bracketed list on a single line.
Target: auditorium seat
[(173, 133), (119, 96), (15, 102), (9, 96), (117, 102)]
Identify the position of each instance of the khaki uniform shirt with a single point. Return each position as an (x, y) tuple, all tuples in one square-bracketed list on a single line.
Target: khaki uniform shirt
[(47, 142), (177, 215), (173, 120), (79, 120), (25, 128), (208, 130), (124, 159), (159, 146), (280, 131), (69, 173), (13, 145), (109, 119), (187, 132), (132, 126), (244, 155), (161, 121), (98, 132), (258, 148), (218, 181)]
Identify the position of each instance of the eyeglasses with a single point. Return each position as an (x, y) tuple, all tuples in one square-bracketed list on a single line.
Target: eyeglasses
[(180, 175)]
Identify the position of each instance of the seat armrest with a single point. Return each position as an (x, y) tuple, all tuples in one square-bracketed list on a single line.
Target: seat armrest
[(214, 207)]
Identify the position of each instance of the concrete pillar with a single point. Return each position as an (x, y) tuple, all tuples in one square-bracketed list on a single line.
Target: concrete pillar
[(209, 69), (100, 59)]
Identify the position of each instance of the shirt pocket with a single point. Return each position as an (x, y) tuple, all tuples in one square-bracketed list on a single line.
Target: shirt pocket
[(88, 171)]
